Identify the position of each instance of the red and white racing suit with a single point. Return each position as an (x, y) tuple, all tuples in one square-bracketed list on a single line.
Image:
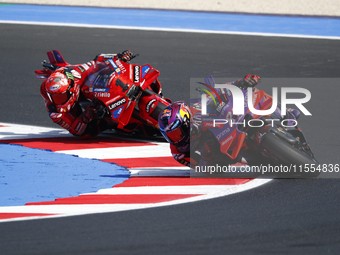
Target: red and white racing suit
[(75, 119)]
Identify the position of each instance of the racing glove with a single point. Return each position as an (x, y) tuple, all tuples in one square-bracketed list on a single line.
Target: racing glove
[(89, 114), (248, 81), (93, 111), (125, 56)]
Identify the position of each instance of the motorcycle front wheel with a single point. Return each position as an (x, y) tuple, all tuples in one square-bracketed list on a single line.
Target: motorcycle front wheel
[(298, 162)]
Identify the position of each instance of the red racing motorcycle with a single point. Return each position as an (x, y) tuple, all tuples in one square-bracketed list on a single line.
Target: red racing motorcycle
[(128, 96)]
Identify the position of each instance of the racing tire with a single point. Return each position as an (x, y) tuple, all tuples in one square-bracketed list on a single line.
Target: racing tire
[(288, 155)]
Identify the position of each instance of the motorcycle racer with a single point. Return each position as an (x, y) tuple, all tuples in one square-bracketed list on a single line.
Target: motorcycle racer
[(182, 128), (63, 97)]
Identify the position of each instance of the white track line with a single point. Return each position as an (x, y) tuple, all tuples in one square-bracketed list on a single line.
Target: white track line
[(170, 29), (72, 210), (160, 171), (146, 151), (189, 189)]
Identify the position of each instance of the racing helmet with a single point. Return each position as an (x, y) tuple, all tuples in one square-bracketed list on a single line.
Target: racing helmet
[(175, 122), (61, 89)]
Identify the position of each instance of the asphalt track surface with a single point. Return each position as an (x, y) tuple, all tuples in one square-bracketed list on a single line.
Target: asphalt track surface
[(284, 216)]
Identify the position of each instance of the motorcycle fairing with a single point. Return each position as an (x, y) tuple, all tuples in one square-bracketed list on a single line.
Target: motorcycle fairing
[(147, 106), (56, 58), (117, 84)]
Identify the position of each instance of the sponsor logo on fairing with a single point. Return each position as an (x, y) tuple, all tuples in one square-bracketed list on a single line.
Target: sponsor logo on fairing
[(119, 102), (86, 67), (99, 89), (115, 67), (76, 74), (81, 69), (227, 140), (145, 70), (136, 74), (117, 112), (223, 133), (121, 66), (102, 94), (150, 105)]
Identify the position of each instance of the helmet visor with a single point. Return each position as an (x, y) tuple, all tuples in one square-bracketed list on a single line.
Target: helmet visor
[(61, 98), (176, 135)]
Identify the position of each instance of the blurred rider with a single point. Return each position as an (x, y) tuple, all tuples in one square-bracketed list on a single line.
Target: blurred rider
[(178, 124), (62, 94)]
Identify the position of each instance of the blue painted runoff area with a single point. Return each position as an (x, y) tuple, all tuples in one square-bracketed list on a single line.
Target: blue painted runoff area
[(34, 175), (173, 20)]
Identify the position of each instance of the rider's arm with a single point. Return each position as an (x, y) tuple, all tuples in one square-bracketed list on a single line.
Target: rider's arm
[(248, 81), (75, 125), (125, 56), (82, 71)]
